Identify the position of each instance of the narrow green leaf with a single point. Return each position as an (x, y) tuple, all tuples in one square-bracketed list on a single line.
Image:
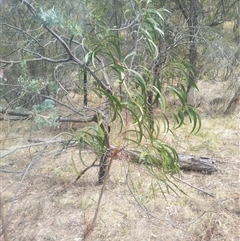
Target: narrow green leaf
[(117, 47), (180, 95), (71, 39)]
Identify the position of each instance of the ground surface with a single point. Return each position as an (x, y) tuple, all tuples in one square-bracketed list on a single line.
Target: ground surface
[(47, 205)]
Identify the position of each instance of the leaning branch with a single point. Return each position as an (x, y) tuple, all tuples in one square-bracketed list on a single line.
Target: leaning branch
[(42, 58), (16, 148), (4, 230), (197, 188), (30, 115), (105, 84), (65, 46), (16, 113)]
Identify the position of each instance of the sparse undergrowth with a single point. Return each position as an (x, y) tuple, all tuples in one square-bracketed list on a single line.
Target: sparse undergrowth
[(50, 207)]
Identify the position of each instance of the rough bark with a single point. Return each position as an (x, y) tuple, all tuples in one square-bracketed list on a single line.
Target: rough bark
[(194, 163), (186, 162), (233, 104), (191, 16)]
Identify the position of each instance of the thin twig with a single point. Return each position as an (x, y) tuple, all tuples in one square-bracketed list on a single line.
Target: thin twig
[(8, 171), (82, 172), (18, 189), (4, 230), (27, 146), (178, 179), (44, 142)]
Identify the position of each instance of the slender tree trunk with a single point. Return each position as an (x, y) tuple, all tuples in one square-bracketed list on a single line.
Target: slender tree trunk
[(236, 31), (193, 26), (236, 28), (85, 92), (190, 12)]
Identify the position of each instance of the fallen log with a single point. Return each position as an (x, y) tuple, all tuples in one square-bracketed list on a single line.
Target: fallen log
[(194, 163), (186, 162)]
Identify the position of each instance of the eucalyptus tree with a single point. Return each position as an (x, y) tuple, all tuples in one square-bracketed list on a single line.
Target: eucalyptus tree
[(194, 32), (111, 49), (219, 24)]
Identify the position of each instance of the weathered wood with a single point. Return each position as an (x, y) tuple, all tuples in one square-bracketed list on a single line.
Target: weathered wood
[(13, 115), (194, 163), (186, 162)]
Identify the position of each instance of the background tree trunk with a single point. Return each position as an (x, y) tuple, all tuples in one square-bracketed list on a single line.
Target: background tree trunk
[(193, 26), (191, 15)]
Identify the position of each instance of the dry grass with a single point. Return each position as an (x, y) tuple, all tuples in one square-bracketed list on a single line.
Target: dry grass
[(48, 206)]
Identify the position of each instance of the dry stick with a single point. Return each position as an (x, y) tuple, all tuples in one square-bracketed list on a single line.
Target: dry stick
[(83, 171), (47, 142), (27, 146), (2, 218), (92, 225), (8, 171), (18, 189), (211, 195)]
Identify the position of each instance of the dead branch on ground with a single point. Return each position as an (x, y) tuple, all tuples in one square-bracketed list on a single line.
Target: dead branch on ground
[(186, 162), (4, 230)]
